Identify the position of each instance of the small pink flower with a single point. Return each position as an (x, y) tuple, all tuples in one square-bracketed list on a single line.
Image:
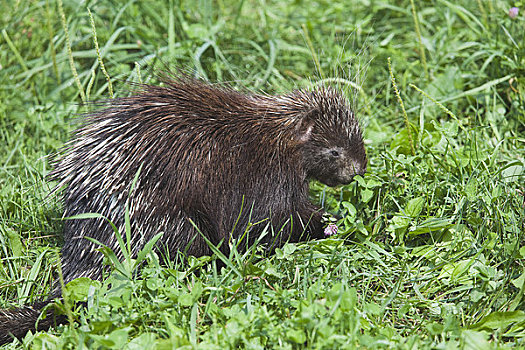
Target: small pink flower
[(513, 12), (330, 230)]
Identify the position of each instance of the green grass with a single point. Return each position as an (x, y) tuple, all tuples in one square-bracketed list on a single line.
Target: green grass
[(431, 243)]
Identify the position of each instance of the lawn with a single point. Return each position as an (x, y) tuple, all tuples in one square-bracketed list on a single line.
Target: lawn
[(431, 242)]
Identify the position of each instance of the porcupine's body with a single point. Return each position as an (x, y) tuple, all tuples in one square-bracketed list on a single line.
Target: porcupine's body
[(206, 153)]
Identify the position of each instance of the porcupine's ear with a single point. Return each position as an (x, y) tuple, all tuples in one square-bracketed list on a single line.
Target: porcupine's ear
[(306, 125)]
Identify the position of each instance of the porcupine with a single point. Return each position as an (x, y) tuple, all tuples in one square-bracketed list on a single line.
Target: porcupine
[(205, 151)]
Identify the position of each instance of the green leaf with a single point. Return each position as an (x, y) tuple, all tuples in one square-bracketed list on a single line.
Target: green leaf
[(519, 282), (473, 340), (471, 189), (373, 183), (272, 271), (350, 208), (197, 290), (430, 225), (296, 336), (14, 242), (397, 223), (414, 206), (33, 273), (366, 195), (143, 341), (185, 299), (117, 339), (513, 173), (148, 247), (285, 251), (401, 142), (456, 270), (112, 257), (78, 289), (434, 328), (499, 320)]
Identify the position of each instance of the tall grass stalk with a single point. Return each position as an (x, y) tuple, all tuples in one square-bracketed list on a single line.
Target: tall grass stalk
[(95, 41), (18, 57), (405, 116), (312, 51), (14, 49), (483, 14), (70, 52), (420, 40), (65, 296), (90, 84), (139, 76), (440, 105)]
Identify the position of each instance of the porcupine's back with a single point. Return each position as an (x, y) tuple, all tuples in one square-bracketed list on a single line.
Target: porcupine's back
[(200, 148)]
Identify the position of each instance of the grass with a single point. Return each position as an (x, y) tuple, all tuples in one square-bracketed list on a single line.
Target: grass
[(431, 242)]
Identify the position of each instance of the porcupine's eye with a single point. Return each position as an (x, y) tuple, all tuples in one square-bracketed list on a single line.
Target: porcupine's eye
[(334, 153)]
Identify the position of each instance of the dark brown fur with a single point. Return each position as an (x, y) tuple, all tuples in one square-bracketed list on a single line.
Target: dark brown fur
[(206, 153)]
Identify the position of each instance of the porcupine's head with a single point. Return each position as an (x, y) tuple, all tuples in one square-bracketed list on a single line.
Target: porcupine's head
[(333, 149)]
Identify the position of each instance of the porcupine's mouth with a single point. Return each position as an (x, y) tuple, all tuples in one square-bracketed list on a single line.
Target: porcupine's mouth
[(346, 176), (333, 182)]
